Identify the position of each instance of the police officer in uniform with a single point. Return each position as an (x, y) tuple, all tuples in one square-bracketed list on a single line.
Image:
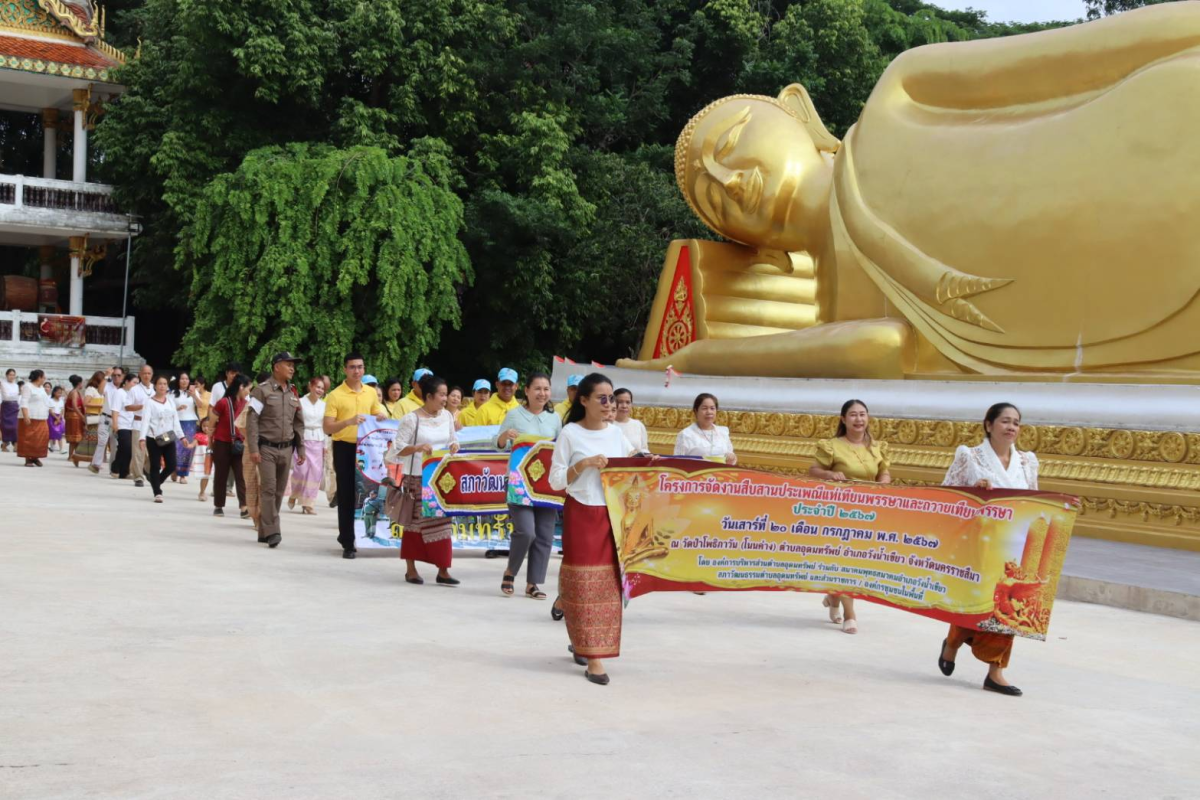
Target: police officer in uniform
[(274, 431)]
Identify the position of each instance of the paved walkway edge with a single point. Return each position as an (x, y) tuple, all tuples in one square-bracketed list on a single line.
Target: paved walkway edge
[(1134, 598)]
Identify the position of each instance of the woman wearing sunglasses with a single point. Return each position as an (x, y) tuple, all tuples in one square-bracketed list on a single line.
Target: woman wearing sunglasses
[(590, 577)]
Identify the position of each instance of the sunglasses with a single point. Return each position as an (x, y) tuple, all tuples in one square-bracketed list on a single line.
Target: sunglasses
[(604, 399)]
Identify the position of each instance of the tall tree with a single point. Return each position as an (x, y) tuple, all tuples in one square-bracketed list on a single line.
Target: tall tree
[(319, 250)]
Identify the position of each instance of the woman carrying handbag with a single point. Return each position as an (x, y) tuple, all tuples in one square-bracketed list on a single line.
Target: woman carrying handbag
[(161, 433), (429, 428)]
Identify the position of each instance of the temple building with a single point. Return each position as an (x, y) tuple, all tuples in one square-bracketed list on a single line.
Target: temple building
[(56, 67)]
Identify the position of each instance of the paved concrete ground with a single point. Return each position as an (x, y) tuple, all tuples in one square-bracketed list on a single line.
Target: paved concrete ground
[(156, 652)]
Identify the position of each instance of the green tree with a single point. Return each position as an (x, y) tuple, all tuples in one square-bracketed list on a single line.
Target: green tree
[(1099, 8), (320, 251)]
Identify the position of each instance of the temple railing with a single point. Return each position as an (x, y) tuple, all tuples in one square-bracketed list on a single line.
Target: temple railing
[(25, 192)]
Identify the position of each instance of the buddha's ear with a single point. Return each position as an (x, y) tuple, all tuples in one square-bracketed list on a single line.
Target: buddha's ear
[(796, 98)]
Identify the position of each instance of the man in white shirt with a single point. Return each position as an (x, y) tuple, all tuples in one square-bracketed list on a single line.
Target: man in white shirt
[(104, 432), (123, 425), (139, 395)]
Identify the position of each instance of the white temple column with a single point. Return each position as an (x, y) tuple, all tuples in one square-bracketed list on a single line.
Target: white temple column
[(78, 245), (82, 98), (49, 142)]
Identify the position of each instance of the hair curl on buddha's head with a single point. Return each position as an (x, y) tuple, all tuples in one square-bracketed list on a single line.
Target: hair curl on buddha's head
[(793, 99)]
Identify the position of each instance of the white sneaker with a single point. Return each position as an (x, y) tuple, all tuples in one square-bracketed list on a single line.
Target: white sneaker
[(158, 498)]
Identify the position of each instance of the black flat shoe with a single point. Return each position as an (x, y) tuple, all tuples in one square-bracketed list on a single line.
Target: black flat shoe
[(600, 680), (273, 540), (418, 580), (556, 613), (580, 660), (448, 581), (350, 554), (218, 512), (991, 686), (947, 667)]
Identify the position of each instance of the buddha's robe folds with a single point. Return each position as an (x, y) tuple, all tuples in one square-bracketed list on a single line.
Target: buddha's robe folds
[(1033, 204)]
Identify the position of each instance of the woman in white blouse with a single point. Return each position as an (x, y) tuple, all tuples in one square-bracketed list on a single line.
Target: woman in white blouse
[(704, 437), (187, 400), (633, 429), (305, 481), (994, 464), (429, 428), (33, 434), (590, 577), (161, 431)]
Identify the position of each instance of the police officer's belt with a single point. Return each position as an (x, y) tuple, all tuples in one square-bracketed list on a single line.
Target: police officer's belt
[(264, 443)]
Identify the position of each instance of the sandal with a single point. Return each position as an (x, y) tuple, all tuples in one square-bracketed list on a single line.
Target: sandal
[(307, 510), (557, 613), (534, 592), (834, 616), (850, 626), (506, 585)]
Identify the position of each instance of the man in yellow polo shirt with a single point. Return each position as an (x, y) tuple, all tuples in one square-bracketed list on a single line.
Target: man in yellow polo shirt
[(562, 408), (498, 405), (482, 391), (345, 407), (413, 400)]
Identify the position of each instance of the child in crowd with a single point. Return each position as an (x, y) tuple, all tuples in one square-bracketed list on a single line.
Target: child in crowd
[(202, 464)]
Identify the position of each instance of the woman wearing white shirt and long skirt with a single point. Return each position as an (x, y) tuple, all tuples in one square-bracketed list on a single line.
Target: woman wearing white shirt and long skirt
[(590, 577), (305, 481), (994, 464), (429, 428), (33, 433), (185, 397), (705, 438), (161, 432)]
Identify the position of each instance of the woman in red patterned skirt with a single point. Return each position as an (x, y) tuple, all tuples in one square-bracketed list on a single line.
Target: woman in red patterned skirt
[(429, 428), (590, 577)]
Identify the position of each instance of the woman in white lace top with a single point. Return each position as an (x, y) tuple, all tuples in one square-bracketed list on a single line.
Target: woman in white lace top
[(429, 428), (704, 437), (994, 464)]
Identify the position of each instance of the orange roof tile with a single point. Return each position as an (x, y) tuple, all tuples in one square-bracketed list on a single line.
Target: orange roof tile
[(40, 49)]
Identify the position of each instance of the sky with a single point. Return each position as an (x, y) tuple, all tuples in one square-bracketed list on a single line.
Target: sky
[(1021, 10)]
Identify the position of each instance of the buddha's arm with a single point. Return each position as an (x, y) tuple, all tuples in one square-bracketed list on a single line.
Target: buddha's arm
[(872, 348), (1048, 66)]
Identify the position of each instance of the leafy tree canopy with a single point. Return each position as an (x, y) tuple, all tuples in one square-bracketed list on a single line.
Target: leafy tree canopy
[(321, 251)]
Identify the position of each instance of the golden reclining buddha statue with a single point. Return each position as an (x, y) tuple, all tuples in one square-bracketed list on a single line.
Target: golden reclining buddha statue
[(1023, 207)]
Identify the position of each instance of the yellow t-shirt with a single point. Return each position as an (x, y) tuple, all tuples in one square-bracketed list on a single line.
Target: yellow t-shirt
[(467, 415), (855, 462), (343, 403), (494, 410), (562, 408), (409, 403)]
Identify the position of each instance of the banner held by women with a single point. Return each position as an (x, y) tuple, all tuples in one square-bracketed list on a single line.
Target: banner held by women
[(988, 560)]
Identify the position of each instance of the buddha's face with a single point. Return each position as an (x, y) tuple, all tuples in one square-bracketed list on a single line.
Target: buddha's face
[(748, 162)]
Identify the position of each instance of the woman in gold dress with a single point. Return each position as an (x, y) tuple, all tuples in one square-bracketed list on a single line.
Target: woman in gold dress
[(852, 455)]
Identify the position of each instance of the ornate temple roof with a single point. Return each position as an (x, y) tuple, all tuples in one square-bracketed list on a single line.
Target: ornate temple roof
[(56, 37)]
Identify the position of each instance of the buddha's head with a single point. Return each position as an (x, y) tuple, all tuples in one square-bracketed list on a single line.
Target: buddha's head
[(757, 169)]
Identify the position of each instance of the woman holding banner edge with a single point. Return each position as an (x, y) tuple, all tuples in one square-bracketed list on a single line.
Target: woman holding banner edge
[(590, 576), (533, 528), (994, 464), (851, 455), (423, 431)]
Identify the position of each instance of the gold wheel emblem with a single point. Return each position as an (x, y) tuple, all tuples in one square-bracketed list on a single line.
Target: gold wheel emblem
[(536, 470), (447, 483)]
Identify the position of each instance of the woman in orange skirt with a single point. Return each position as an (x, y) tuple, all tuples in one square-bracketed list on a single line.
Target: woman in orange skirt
[(73, 411), (994, 464), (590, 576)]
